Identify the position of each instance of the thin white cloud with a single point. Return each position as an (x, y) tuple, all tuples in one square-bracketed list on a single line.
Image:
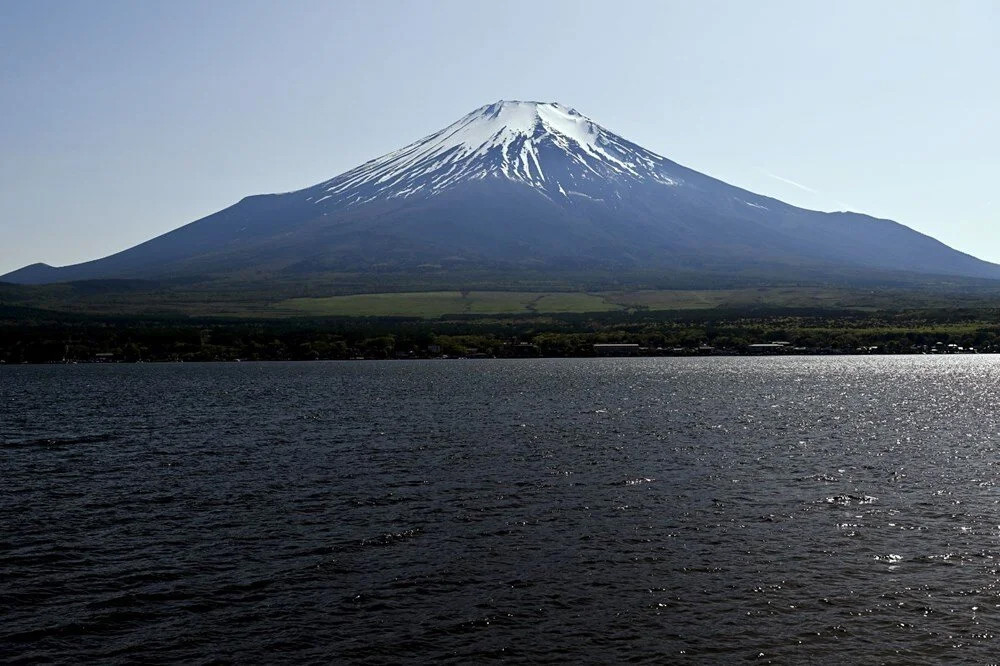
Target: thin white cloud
[(791, 182), (842, 205)]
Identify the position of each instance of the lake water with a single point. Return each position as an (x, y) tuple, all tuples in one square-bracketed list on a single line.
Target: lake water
[(837, 509)]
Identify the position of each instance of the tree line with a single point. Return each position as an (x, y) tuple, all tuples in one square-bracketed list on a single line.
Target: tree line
[(38, 337)]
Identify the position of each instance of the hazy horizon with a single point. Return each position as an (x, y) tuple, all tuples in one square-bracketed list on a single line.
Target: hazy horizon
[(127, 121)]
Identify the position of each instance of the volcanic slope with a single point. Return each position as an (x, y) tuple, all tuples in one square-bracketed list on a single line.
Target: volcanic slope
[(522, 186)]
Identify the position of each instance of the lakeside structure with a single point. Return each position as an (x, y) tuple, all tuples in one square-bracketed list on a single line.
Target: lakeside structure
[(522, 350)]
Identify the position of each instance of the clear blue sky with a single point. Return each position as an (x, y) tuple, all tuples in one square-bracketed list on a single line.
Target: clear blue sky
[(122, 120)]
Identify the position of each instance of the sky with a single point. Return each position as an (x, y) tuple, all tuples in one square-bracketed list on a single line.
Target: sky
[(122, 120)]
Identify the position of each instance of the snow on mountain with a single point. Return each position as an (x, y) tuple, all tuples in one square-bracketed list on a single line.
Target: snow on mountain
[(523, 186), (542, 144)]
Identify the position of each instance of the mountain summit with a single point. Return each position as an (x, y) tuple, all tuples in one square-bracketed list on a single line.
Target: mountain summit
[(523, 186), (543, 145)]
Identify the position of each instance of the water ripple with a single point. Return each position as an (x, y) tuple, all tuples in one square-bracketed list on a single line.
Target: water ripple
[(589, 510)]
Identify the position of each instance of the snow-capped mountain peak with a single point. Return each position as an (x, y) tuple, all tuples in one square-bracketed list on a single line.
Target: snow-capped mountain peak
[(527, 186), (500, 124), (545, 145)]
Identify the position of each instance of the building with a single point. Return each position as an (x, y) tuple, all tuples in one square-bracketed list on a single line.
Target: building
[(769, 348)]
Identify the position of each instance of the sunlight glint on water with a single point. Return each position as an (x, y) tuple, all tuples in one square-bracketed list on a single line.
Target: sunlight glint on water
[(801, 509)]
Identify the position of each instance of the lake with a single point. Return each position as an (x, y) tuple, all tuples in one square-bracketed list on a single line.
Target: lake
[(691, 510)]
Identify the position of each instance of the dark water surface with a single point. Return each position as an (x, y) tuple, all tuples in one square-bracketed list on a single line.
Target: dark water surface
[(837, 510)]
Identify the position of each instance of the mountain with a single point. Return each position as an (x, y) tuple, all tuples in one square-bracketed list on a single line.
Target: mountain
[(521, 186)]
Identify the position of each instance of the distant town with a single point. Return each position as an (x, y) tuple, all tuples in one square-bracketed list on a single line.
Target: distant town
[(450, 350)]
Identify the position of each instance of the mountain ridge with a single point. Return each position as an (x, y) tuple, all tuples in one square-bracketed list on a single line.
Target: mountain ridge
[(514, 185)]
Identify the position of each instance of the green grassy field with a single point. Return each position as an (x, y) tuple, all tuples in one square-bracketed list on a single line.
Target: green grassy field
[(570, 302), (791, 297), (431, 304), (438, 303), (269, 301)]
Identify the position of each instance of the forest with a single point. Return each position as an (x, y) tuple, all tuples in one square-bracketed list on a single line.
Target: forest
[(37, 336)]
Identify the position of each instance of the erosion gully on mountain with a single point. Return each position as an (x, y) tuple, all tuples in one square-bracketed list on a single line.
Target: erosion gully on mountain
[(517, 187)]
